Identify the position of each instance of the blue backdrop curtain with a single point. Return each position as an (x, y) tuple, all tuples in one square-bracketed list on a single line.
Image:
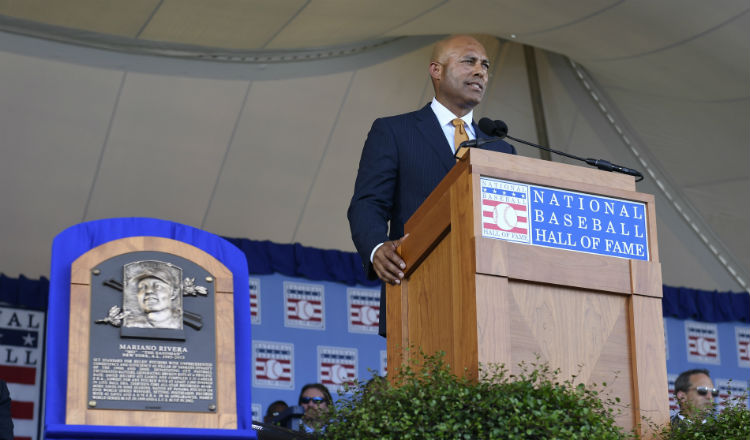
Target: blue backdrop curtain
[(295, 260)]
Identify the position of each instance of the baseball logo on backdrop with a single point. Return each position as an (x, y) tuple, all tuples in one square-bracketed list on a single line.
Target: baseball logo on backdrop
[(742, 336), (273, 365), (673, 406), (363, 309), (257, 415), (255, 301), (702, 342), (337, 366), (729, 390), (304, 305)]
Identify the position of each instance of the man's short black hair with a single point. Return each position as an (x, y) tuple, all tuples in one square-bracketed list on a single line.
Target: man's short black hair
[(272, 408), (683, 380)]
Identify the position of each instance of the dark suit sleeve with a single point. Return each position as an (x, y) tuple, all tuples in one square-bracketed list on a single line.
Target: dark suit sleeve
[(6, 423), (374, 192)]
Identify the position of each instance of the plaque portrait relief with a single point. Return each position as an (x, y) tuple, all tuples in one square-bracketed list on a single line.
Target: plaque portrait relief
[(152, 295)]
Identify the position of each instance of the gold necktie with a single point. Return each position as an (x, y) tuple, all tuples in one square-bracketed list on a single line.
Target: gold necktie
[(460, 134)]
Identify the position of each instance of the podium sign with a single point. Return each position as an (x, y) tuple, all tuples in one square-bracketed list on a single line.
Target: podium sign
[(556, 218)]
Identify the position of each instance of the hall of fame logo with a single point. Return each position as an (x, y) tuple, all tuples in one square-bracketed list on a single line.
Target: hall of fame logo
[(256, 408), (337, 366), (673, 405), (730, 391), (742, 336), (363, 306), (702, 342), (254, 301), (505, 210), (273, 364), (304, 305)]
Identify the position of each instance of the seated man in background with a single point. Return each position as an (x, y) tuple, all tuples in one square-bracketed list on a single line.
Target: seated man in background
[(695, 394), (315, 399), (274, 410), (6, 422)]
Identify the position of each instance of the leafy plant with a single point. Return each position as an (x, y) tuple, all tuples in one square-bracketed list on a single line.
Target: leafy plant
[(731, 421), (430, 402)]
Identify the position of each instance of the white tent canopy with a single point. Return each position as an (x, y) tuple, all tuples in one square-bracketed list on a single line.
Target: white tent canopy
[(247, 118)]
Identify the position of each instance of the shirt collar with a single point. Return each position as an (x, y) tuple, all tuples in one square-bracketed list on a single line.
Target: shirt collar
[(445, 116)]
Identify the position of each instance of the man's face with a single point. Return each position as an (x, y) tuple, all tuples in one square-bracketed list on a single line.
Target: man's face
[(692, 402), (315, 404), (154, 295), (462, 73)]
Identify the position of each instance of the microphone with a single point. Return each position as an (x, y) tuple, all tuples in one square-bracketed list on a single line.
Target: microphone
[(607, 166), (493, 128), (499, 129)]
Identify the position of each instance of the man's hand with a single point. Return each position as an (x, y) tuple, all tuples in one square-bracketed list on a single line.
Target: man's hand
[(388, 263)]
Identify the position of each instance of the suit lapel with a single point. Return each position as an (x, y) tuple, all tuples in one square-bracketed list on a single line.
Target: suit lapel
[(433, 136)]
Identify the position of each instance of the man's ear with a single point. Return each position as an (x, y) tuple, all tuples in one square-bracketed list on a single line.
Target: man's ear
[(436, 70), (680, 396)]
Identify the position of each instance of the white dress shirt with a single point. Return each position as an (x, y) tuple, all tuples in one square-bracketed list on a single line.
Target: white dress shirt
[(445, 118)]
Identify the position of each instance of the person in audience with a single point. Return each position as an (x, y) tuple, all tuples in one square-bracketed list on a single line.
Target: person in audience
[(695, 393), (274, 410), (315, 400), (6, 422)]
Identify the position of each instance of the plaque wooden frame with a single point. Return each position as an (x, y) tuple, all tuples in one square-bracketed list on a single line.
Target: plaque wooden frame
[(482, 300), (77, 410)]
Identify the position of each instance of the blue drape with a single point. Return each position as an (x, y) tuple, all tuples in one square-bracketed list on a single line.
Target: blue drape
[(23, 292), (707, 306), (295, 260)]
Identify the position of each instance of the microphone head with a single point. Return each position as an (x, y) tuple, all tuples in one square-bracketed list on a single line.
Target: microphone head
[(501, 129), (487, 126), (493, 128)]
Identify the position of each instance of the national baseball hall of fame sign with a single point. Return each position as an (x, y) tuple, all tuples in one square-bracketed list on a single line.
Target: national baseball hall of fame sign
[(562, 219)]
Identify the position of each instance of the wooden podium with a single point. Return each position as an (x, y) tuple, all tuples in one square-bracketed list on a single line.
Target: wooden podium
[(484, 300)]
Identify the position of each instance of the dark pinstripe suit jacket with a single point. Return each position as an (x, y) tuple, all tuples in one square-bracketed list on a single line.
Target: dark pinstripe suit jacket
[(403, 160), (6, 423)]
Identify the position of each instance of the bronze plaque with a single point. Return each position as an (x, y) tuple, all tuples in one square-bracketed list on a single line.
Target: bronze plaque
[(152, 344)]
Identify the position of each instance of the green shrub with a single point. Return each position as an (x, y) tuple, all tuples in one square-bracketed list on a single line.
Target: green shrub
[(432, 403), (731, 422)]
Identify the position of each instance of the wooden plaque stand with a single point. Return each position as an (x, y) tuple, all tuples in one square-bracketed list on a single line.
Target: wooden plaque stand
[(487, 301), (77, 409)]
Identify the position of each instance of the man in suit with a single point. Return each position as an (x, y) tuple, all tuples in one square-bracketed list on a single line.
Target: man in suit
[(406, 156), (695, 394), (6, 421)]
